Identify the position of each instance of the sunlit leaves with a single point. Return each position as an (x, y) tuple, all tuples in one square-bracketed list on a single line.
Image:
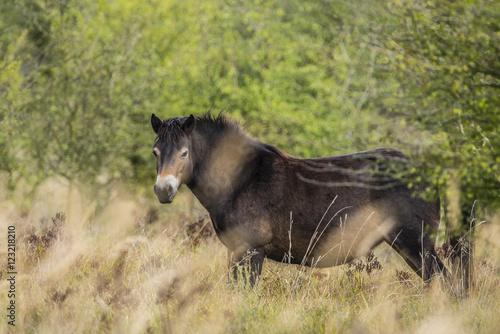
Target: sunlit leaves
[(313, 78)]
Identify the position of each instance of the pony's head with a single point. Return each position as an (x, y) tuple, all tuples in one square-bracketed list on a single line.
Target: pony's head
[(172, 149)]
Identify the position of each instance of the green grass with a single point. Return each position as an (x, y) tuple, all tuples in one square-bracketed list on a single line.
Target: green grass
[(107, 273)]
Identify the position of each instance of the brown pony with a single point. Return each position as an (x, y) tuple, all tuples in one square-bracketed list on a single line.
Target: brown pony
[(315, 212)]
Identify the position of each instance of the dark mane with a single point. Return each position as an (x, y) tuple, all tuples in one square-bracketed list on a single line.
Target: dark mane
[(171, 128), (274, 150), (217, 125), (219, 121)]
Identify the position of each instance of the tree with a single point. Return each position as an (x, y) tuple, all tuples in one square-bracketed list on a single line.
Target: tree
[(445, 57), (95, 71)]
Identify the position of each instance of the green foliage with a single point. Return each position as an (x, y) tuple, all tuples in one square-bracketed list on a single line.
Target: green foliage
[(96, 71), (445, 59), (11, 97), (79, 81)]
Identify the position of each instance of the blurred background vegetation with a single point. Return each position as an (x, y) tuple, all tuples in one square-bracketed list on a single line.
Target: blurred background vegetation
[(80, 79)]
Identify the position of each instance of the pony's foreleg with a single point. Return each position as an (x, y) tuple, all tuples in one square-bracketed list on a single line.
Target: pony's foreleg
[(246, 263)]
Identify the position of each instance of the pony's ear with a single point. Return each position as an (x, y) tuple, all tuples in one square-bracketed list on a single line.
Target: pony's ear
[(156, 123), (189, 124)]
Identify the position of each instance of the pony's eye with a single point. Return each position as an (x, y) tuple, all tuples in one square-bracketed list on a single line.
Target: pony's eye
[(184, 154), (155, 154)]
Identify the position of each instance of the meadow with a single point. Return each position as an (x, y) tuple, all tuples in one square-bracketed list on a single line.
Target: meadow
[(135, 266)]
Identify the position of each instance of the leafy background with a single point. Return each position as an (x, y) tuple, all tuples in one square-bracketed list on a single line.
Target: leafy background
[(79, 80)]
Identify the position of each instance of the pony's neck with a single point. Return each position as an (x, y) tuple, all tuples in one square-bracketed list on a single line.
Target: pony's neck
[(220, 161)]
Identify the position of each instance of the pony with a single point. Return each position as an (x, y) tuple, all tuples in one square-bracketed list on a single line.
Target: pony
[(319, 212)]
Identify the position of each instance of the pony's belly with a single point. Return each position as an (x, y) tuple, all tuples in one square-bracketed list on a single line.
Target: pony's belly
[(340, 246), (333, 257), (324, 256), (364, 229)]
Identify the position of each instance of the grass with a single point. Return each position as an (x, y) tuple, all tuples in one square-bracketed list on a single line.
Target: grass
[(138, 267)]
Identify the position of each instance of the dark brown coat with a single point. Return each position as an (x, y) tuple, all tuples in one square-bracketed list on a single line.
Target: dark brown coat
[(315, 212)]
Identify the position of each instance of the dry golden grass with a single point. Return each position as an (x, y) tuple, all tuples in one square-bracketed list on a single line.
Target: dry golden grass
[(133, 267)]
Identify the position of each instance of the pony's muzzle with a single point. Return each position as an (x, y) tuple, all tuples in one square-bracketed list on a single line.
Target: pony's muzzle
[(166, 188)]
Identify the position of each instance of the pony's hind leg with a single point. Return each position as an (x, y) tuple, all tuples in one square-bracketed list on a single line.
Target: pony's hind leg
[(419, 254), (246, 263)]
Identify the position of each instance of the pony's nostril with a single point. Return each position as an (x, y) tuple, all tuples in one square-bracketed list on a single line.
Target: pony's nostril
[(169, 189)]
